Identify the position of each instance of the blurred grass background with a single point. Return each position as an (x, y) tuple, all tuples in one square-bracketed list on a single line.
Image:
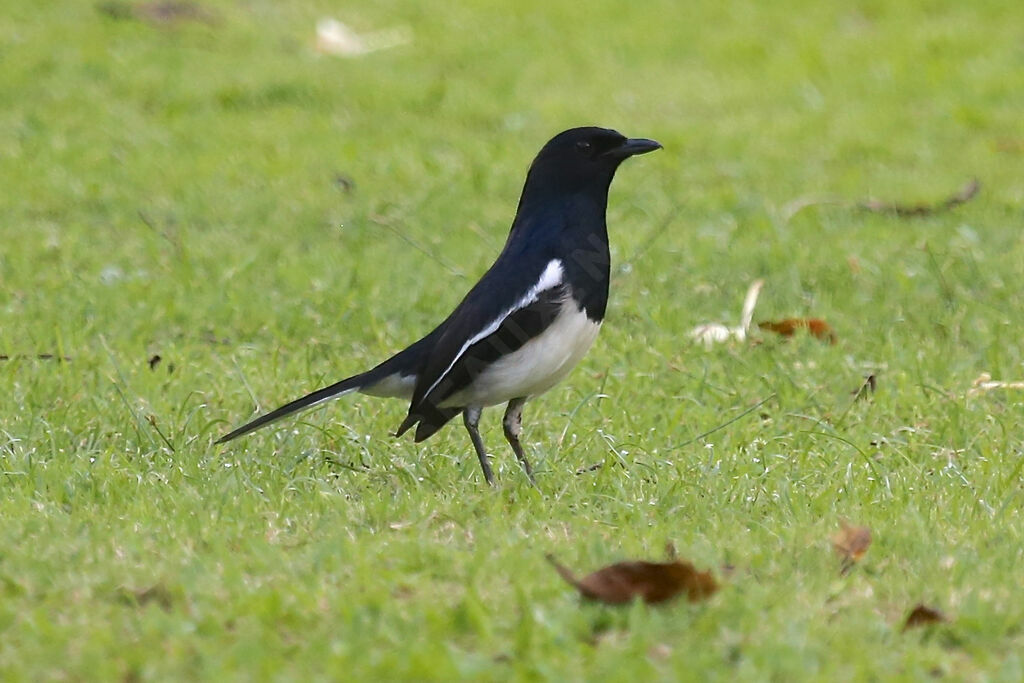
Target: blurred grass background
[(267, 219)]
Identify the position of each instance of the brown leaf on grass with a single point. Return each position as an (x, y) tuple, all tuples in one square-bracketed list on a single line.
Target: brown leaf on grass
[(788, 327), (964, 194), (653, 582), (850, 543), (922, 615)]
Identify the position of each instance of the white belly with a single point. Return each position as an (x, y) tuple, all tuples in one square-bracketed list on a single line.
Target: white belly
[(536, 366)]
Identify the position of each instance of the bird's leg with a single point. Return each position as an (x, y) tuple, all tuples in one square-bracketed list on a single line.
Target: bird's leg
[(471, 417), (513, 425)]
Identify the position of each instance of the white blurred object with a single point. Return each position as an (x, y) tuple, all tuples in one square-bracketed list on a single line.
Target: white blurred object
[(335, 38), (984, 383), (715, 333)]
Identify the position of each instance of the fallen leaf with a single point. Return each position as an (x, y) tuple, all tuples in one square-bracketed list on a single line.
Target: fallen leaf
[(653, 582), (711, 333), (984, 382), (922, 615), (788, 327), (850, 543), (336, 38), (965, 194)]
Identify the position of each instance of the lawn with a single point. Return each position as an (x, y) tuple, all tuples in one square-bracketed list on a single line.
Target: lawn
[(205, 217)]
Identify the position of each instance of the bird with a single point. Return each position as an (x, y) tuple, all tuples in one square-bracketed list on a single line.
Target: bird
[(530, 318)]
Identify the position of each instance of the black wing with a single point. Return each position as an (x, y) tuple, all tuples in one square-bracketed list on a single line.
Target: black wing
[(479, 332), (515, 330)]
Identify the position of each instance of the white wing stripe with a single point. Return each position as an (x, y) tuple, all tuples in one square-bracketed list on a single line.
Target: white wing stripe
[(551, 277), (325, 399)]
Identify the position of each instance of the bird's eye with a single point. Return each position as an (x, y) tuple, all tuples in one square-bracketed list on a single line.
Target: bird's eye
[(583, 146)]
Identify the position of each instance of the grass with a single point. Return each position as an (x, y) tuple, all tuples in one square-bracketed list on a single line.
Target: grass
[(173, 191)]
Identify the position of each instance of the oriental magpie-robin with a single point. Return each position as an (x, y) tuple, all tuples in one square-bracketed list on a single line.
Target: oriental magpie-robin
[(530, 318)]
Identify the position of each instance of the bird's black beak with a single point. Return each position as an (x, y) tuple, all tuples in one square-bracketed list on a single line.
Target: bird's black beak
[(632, 147)]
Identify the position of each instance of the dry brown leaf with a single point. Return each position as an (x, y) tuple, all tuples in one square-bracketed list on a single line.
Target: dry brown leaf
[(922, 615), (850, 543), (965, 194), (653, 582), (787, 327), (902, 210)]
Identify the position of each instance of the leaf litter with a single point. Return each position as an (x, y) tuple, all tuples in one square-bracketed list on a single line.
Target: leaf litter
[(713, 333), (984, 383), (653, 582), (923, 615), (898, 209), (788, 327), (850, 543)]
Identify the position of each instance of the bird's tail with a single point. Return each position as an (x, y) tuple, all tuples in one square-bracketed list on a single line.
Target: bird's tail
[(402, 366), (345, 386)]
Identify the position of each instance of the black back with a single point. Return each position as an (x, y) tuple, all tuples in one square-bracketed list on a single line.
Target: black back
[(561, 215)]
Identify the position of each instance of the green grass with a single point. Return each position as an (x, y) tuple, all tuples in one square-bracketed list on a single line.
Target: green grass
[(171, 190)]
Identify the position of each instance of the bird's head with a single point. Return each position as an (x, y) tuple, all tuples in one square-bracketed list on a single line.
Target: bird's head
[(585, 158)]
